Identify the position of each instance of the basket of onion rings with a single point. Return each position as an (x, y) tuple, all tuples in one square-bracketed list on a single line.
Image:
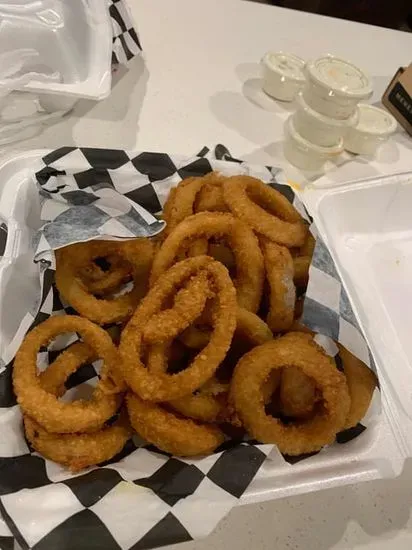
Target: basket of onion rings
[(191, 344)]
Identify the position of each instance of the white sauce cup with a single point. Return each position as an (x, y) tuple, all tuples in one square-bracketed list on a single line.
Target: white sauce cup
[(321, 129), (374, 127), (335, 86), (283, 75), (302, 153)]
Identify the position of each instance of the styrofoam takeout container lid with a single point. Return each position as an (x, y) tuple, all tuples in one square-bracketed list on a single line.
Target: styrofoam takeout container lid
[(73, 39), (380, 453), (283, 75), (374, 126)]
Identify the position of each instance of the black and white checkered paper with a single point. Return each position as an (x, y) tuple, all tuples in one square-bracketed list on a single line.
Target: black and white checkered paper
[(126, 43), (143, 498), (3, 238)]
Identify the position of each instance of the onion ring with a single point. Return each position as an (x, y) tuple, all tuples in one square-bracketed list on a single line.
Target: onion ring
[(188, 305), (279, 274), (138, 253), (248, 326), (242, 241), (301, 265), (296, 438), (102, 283), (361, 384), (168, 432), (222, 254), (180, 203), (264, 209), (44, 407), (69, 361), (210, 197), (202, 405), (297, 393), (78, 451), (164, 387), (308, 246)]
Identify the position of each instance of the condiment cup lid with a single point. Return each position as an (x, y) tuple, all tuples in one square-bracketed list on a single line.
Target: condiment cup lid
[(375, 121), (287, 65), (339, 76)]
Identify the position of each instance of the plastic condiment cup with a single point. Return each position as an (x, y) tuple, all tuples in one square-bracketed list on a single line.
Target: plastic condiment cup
[(335, 86), (374, 127), (283, 75), (321, 129), (302, 153)]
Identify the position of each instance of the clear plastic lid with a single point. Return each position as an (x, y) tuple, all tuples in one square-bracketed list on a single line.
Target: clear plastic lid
[(286, 64), (376, 121), (340, 76)]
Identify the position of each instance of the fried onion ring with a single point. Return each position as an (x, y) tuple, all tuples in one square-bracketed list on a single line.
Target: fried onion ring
[(264, 209), (188, 305), (69, 261), (210, 197), (168, 432), (242, 241), (248, 326), (180, 203), (282, 292), (78, 451), (207, 404), (297, 393), (44, 407), (308, 246), (304, 436), (361, 384), (301, 265), (103, 283), (165, 387)]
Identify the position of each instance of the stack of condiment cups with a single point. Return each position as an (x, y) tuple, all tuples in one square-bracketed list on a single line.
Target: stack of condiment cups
[(327, 110)]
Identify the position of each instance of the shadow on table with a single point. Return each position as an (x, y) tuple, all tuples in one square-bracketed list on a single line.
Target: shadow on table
[(250, 76), (128, 88)]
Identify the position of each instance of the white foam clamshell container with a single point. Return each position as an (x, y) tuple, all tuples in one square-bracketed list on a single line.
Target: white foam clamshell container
[(73, 38), (368, 229)]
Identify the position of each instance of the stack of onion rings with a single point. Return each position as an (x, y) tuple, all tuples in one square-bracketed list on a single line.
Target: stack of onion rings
[(74, 434), (240, 238), (209, 336)]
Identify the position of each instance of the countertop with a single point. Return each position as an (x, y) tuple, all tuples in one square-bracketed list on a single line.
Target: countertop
[(197, 85)]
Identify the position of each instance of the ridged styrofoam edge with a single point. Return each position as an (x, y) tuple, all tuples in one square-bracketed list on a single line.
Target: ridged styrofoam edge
[(379, 455)]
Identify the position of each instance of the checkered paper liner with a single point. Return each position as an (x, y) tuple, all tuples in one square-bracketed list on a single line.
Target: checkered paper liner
[(143, 498), (126, 43), (3, 238)]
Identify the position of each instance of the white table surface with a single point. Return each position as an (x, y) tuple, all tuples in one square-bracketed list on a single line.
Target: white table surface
[(199, 85)]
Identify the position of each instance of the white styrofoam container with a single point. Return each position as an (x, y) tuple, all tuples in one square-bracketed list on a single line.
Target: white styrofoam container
[(361, 224), (73, 38)]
